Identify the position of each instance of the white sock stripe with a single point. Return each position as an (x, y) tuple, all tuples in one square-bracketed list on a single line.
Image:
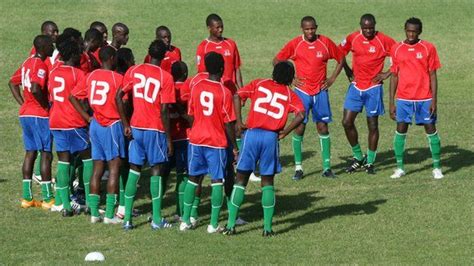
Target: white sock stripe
[(129, 197), (216, 184), (135, 172), (66, 187), (66, 163), (45, 182), (401, 134), (155, 198), (27, 180), (239, 186), (187, 204), (219, 206), (323, 136), (86, 160), (192, 183), (430, 135)]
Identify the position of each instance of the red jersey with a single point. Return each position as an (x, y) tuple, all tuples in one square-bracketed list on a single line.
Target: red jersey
[(413, 64), (50, 61), (100, 87), (310, 60), (171, 56), (271, 103), (33, 70), (228, 49), (152, 86), (368, 56), (178, 125), (211, 105), (61, 82), (186, 89)]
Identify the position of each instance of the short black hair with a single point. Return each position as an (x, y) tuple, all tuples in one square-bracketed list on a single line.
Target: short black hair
[(68, 48), (119, 25), (124, 55), (368, 17), (46, 24), (214, 63), (106, 53), (179, 70), (415, 21), (283, 73), (308, 19), (93, 34), (73, 33), (212, 17), (97, 24), (41, 41), (160, 28), (157, 49)]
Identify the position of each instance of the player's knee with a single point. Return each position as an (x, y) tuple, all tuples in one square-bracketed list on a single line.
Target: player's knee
[(347, 123)]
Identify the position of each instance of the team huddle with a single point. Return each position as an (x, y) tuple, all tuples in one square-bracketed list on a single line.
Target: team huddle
[(107, 114)]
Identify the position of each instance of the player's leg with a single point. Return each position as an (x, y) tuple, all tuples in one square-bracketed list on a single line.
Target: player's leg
[(322, 116), (37, 168), (404, 115), (373, 101), (112, 191), (62, 182), (236, 199), (353, 105), (46, 188), (94, 188), (298, 134), (425, 117), (189, 194), (27, 171), (181, 160), (81, 147), (196, 202), (268, 204), (87, 170)]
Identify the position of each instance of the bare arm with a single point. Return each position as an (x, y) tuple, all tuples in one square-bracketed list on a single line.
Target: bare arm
[(434, 91), (393, 90), (347, 70), (294, 124), (165, 119), (79, 108), (239, 125), (15, 89), (127, 131), (39, 96), (238, 78), (328, 82)]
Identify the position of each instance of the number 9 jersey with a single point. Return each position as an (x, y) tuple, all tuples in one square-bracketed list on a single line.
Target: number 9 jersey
[(271, 103)]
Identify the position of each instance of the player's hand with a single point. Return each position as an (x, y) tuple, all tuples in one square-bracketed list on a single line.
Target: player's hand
[(170, 147), (298, 82), (380, 77), (433, 108), (393, 114), (327, 83), (127, 131), (282, 134), (236, 155), (239, 127)]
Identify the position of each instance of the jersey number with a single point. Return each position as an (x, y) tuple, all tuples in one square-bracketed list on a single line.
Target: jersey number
[(99, 88), (207, 102), (59, 89), (271, 99), (145, 85), (25, 79)]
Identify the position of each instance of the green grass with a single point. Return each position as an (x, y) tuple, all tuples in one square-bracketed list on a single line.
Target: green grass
[(355, 219)]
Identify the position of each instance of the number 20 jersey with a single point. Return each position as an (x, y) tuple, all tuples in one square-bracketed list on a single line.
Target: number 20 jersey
[(271, 103)]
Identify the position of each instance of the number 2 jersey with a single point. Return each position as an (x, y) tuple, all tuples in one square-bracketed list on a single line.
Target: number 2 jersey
[(271, 103)]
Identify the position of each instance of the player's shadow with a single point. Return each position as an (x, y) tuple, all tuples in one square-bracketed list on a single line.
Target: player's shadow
[(289, 159), (3, 180)]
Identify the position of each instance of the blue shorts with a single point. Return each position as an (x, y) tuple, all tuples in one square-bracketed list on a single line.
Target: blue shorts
[(206, 160), (147, 146), (261, 146), (421, 110), (71, 140), (108, 142), (180, 156), (36, 134), (372, 99), (318, 105)]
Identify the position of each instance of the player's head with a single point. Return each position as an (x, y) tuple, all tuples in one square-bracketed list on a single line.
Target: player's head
[(214, 63), (367, 26), (309, 27), (157, 50), (43, 45), (108, 57), (179, 71), (413, 29), (120, 33), (93, 39), (215, 25), (283, 73), (75, 35), (50, 28), (164, 34), (70, 52), (125, 60), (102, 28)]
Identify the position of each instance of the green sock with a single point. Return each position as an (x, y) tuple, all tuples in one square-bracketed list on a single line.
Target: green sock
[(37, 167), (325, 142), (371, 156), (62, 182), (268, 204), (239, 143), (87, 170), (27, 194), (399, 148), (189, 194), (435, 147), (130, 191), (94, 204), (296, 141), (57, 200), (236, 200), (122, 181), (194, 210), (216, 203), (110, 202), (357, 152), (156, 192), (181, 180), (72, 176), (46, 191)]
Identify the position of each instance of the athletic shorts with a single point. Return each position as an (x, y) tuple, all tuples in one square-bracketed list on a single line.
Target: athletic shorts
[(206, 160), (147, 146), (36, 134), (71, 140), (108, 142), (420, 109), (317, 104), (259, 145), (180, 156), (372, 99)]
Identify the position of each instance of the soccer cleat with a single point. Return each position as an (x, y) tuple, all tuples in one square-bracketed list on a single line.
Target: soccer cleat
[(229, 231), (121, 212), (47, 205), (194, 221), (25, 204), (298, 175), (328, 173), (57, 208), (268, 233), (95, 220), (114, 220), (127, 226), (211, 229), (183, 226), (437, 174), (105, 176), (36, 178), (240, 221), (67, 213), (254, 178), (162, 225), (355, 165), (397, 173), (76, 207), (369, 169)]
